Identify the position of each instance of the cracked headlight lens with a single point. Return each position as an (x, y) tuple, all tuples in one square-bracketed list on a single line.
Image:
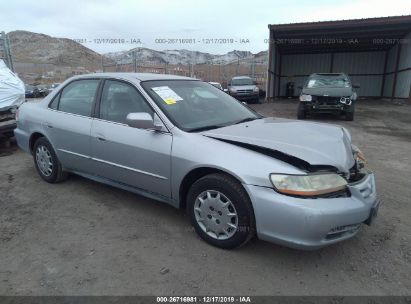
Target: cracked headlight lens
[(308, 185)]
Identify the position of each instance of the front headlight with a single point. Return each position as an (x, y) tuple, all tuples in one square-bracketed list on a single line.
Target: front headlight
[(308, 185), (233, 90), (305, 97), (256, 89)]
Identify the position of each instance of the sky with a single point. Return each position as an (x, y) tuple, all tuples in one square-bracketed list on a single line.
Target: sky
[(213, 26)]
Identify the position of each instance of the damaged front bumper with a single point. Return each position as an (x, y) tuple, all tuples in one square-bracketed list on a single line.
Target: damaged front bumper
[(7, 123), (7, 127), (313, 223), (328, 104)]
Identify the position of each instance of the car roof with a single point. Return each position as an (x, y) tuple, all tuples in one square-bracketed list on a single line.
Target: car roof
[(134, 76)]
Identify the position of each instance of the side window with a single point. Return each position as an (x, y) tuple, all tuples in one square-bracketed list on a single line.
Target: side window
[(119, 99), (78, 97)]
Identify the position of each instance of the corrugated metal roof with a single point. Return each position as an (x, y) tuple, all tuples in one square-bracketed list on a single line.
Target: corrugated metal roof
[(341, 35), (322, 23)]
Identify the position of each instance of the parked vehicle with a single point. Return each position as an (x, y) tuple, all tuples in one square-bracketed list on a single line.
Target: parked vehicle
[(11, 96), (244, 88), (328, 93), (43, 90), (32, 91), (186, 143)]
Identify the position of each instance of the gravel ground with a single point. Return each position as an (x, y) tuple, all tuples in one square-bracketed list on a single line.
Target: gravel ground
[(85, 238)]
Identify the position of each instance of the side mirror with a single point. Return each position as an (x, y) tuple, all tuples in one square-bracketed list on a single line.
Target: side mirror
[(356, 86), (143, 120)]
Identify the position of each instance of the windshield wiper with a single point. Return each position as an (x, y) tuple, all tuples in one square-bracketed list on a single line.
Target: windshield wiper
[(205, 128), (246, 120)]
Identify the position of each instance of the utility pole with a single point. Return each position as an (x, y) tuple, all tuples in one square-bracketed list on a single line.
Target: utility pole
[(190, 68), (134, 61), (253, 69), (5, 52), (102, 63)]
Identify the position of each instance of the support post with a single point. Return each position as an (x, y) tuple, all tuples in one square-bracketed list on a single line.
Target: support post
[(384, 74), (394, 85)]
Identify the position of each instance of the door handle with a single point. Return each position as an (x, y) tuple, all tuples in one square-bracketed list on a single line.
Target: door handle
[(49, 125), (101, 138)]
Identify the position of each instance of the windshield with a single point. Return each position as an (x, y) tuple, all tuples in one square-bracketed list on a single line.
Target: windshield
[(242, 81), (337, 81), (195, 105)]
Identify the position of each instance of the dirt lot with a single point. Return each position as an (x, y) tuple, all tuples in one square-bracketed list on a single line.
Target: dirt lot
[(85, 238)]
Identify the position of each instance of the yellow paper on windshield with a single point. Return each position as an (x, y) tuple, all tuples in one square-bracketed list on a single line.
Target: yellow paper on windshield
[(167, 94), (170, 101)]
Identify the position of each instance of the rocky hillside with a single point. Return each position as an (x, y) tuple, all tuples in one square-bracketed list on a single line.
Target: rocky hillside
[(145, 55), (39, 48), (28, 47)]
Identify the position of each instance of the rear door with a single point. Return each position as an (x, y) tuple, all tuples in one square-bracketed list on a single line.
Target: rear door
[(131, 156), (68, 123)]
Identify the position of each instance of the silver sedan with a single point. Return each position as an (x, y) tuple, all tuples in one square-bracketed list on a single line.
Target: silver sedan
[(190, 145)]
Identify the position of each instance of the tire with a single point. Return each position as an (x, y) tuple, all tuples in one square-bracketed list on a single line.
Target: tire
[(349, 114), (47, 164), (236, 201), (301, 113)]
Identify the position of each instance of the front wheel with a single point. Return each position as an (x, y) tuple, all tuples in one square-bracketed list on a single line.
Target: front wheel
[(47, 164), (221, 211)]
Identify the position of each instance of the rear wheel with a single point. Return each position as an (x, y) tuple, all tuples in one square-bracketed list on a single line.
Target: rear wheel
[(301, 112), (47, 164), (221, 211)]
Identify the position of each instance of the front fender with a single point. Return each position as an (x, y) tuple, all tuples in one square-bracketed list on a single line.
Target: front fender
[(192, 150)]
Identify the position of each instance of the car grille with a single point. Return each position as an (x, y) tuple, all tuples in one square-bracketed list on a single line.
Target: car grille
[(327, 100), (244, 91)]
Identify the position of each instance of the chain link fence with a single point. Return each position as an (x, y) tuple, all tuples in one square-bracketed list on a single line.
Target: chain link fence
[(221, 73)]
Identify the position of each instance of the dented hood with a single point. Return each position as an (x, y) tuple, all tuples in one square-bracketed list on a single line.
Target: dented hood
[(315, 143)]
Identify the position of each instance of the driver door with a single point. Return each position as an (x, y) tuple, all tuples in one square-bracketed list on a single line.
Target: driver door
[(131, 156)]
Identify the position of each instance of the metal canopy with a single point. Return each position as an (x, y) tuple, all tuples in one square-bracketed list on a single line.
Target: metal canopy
[(372, 34)]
